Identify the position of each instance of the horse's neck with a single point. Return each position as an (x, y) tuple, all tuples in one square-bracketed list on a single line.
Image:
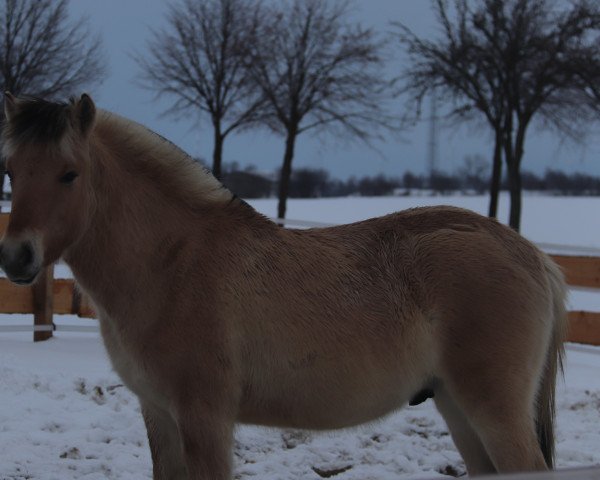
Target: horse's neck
[(138, 225), (132, 225)]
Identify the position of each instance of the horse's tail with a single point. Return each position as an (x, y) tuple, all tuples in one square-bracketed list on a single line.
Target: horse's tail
[(554, 362)]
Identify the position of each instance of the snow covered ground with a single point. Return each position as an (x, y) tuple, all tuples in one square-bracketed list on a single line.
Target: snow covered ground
[(64, 413)]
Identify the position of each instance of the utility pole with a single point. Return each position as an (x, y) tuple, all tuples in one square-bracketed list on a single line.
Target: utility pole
[(432, 150)]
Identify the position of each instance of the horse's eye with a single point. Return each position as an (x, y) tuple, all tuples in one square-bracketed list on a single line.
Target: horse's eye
[(69, 177)]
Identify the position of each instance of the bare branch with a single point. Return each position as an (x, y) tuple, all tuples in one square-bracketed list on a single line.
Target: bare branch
[(43, 53), (199, 60), (316, 69), (512, 61), (318, 72)]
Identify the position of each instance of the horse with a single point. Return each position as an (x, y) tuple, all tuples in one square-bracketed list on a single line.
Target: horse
[(214, 315)]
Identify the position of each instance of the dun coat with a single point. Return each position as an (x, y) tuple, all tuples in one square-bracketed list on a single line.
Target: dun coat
[(213, 315)]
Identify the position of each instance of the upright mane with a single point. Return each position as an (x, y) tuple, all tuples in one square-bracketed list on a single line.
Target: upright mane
[(46, 123), (151, 153), (36, 121)]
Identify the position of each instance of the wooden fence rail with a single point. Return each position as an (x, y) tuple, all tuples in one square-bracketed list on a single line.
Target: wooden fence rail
[(60, 296), (582, 271)]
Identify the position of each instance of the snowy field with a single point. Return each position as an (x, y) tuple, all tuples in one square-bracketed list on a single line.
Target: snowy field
[(65, 415)]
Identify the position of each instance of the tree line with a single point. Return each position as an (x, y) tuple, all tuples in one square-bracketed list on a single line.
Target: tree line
[(306, 66), (249, 183), (297, 67)]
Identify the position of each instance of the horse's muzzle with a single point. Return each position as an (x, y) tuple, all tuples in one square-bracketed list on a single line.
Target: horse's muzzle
[(19, 262)]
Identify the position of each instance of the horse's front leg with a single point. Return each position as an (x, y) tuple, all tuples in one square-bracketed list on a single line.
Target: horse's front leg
[(206, 433), (165, 443)]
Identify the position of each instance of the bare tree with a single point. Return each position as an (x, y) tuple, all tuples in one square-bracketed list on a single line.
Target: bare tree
[(42, 53), (510, 62), (199, 61), (318, 72)]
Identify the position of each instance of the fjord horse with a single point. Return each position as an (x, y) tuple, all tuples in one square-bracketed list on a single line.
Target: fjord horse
[(212, 314)]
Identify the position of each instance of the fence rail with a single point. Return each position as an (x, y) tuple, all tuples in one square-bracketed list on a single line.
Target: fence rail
[(51, 296)]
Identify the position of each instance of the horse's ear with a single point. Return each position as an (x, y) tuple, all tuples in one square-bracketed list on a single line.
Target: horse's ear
[(85, 114), (10, 105)]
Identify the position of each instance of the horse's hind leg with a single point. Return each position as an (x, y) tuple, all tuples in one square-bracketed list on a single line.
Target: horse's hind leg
[(498, 401), (465, 438), (512, 440)]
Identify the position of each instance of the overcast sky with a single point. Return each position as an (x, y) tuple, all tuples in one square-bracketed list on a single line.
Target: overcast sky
[(124, 26)]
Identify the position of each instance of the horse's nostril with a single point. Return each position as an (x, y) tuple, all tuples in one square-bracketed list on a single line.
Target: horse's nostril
[(26, 254)]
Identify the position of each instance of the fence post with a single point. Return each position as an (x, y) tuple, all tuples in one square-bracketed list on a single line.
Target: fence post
[(43, 303)]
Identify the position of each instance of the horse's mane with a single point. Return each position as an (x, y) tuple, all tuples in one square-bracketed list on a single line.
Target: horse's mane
[(138, 149), (155, 156), (36, 121)]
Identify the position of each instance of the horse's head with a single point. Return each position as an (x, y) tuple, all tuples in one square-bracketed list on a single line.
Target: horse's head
[(46, 147)]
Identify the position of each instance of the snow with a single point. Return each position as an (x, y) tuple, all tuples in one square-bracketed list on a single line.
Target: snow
[(566, 225), (64, 413), (561, 220)]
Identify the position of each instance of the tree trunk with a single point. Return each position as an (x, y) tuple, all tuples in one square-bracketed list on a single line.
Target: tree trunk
[(286, 172), (513, 153), (514, 176), (513, 158), (496, 177), (217, 153)]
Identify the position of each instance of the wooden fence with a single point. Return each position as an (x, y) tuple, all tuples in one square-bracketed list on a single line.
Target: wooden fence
[(51, 296)]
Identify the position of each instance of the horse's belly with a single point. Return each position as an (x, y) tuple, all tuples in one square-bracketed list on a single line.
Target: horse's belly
[(342, 400), (321, 414)]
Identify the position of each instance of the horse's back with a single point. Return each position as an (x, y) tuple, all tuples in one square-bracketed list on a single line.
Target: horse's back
[(369, 280), (371, 312)]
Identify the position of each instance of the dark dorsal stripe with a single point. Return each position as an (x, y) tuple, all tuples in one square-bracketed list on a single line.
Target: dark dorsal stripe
[(37, 121)]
